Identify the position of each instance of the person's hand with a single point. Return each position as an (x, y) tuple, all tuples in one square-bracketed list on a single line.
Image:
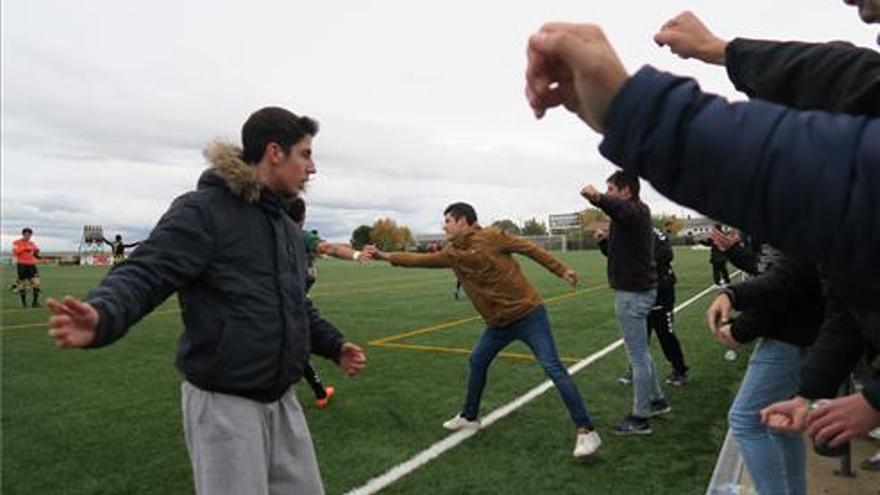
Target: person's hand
[(839, 420), (788, 416), (590, 193), (371, 252), (687, 37), (73, 323), (723, 241), (352, 359), (724, 336), (571, 277), (600, 234), (573, 65), (718, 313), (364, 255)]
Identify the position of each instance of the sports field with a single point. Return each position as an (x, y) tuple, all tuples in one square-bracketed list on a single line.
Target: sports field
[(108, 421)]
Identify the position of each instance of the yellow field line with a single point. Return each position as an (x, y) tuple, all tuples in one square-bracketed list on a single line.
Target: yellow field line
[(441, 326), (459, 350), (45, 324)]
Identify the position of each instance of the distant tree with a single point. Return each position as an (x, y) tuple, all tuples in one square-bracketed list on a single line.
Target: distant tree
[(360, 237), (592, 216), (507, 226), (533, 227), (387, 236), (406, 236), (667, 223)]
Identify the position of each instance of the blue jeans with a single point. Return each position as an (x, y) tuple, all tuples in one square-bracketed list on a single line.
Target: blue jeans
[(632, 309), (534, 330), (775, 461)]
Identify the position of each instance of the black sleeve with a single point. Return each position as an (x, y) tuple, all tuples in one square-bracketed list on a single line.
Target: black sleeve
[(663, 254), (766, 296), (176, 252), (617, 209), (871, 391), (603, 246), (835, 76), (743, 258), (325, 337), (838, 348), (782, 284)]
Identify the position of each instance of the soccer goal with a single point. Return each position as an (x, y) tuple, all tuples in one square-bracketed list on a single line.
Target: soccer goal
[(552, 242)]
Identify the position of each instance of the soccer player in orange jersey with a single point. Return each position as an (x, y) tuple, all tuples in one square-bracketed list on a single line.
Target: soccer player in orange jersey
[(26, 252)]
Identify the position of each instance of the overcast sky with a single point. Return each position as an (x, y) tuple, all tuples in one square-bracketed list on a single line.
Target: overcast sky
[(106, 105)]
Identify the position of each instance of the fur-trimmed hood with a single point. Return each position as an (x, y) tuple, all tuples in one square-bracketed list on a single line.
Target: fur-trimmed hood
[(240, 178)]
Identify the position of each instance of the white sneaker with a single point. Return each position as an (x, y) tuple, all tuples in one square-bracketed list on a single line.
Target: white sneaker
[(586, 444), (875, 433), (459, 422)]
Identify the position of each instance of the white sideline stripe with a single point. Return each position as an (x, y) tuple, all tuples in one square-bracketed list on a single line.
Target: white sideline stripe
[(397, 472)]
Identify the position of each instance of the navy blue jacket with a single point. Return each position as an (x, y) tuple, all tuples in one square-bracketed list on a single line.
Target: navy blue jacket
[(805, 181), (237, 261)]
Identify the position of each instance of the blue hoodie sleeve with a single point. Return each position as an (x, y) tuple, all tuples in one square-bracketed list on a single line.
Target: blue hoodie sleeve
[(177, 250), (803, 180)]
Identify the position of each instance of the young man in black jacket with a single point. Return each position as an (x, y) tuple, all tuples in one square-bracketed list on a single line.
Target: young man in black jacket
[(782, 307), (717, 258), (836, 77), (633, 276), (237, 261)]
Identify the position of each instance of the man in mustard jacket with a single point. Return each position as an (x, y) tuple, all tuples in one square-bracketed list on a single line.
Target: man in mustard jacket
[(511, 307)]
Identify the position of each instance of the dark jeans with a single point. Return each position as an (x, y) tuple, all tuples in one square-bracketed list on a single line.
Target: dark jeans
[(534, 330)]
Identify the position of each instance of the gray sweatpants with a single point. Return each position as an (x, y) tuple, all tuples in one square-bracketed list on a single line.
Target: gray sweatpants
[(243, 447)]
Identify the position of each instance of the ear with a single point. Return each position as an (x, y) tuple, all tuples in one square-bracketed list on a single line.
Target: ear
[(273, 154)]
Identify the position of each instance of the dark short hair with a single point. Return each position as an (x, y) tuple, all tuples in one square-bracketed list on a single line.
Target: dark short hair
[(118, 237), (297, 209), (622, 179), (273, 125), (461, 210), (26, 230)]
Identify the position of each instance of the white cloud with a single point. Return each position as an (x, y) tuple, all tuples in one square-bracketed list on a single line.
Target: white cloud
[(106, 105)]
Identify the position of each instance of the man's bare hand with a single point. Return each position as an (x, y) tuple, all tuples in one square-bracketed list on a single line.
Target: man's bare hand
[(573, 65), (72, 323), (687, 37)]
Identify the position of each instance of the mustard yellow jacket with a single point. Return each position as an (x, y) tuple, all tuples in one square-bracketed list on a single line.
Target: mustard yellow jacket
[(494, 281)]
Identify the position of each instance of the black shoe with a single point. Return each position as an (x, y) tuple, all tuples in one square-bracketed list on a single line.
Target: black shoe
[(677, 379), (633, 425), (659, 407), (626, 378)]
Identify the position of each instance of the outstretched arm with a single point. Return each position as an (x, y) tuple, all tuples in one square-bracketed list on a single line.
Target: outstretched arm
[(440, 259), (513, 244), (342, 251), (769, 170)]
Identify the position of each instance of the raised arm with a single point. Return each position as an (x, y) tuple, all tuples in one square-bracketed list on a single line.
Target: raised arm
[(771, 171)]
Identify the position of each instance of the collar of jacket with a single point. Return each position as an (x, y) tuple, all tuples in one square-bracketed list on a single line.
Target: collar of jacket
[(227, 169), (465, 241)]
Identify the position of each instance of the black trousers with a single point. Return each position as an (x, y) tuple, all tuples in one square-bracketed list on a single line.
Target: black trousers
[(719, 272), (660, 321)]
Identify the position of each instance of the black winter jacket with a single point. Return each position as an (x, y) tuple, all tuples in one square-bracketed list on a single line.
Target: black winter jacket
[(784, 303), (236, 260), (630, 248)]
